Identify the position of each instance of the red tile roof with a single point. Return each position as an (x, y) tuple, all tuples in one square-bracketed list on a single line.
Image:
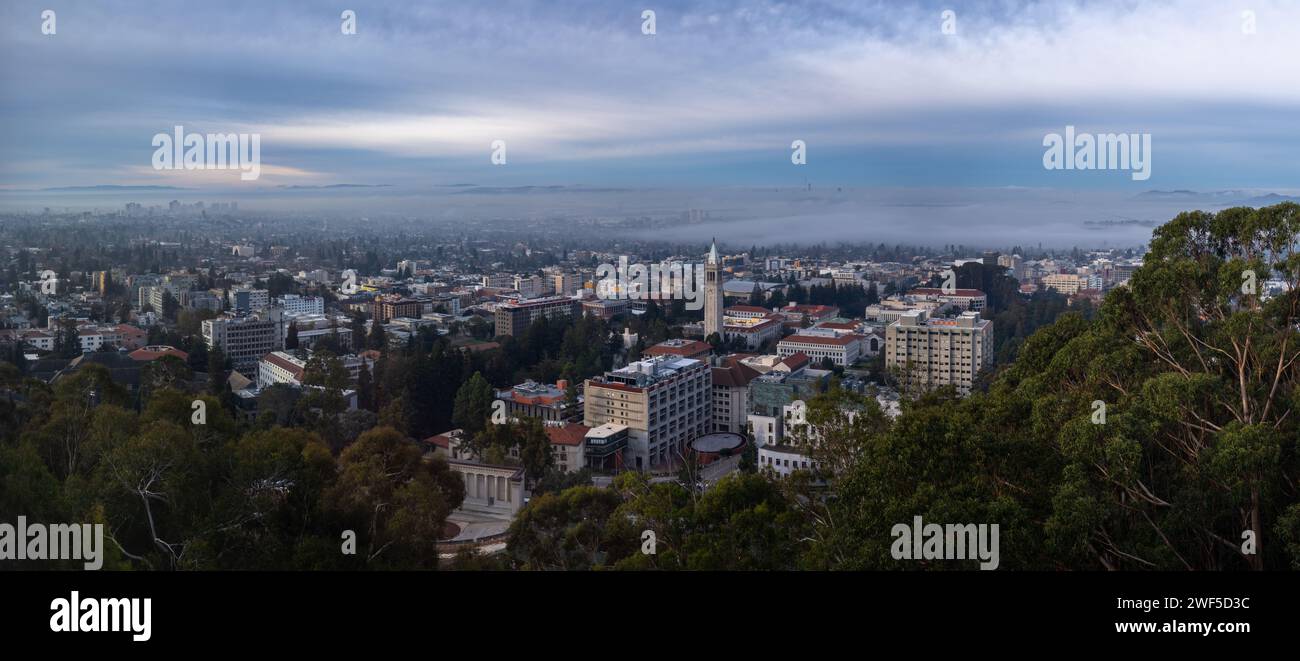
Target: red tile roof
[(836, 325), (688, 349), (734, 375), (796, 360), (150, 353), (293, 369), (571, 434)]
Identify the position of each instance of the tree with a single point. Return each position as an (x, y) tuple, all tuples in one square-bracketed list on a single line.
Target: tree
[(473, 405), (366, 390), (216, 369), (565, 530), (396, 502), (291, 339), (377, 340)]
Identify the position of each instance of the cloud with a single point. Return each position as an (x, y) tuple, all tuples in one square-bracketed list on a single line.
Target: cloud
[(424, 88)]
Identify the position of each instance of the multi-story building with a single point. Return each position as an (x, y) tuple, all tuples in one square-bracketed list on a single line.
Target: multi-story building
[(280, 367), (1065, 283), (244, 299), (731, 396), (295, 305), (664, 401), (542, 401), (963, 299), (605, 308), (935, 352), (753, 332), (681, 348), (530, 286), (889, 310), (514, 318), (385, 308), (843, 350), (568, 445), (566, 284), (244, 340), (499, 281)]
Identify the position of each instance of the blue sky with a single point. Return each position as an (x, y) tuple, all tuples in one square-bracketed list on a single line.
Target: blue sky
[(878, 93)]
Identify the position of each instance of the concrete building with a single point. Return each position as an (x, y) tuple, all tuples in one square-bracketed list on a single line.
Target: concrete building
[(279, 367), (681, 348), (935, 352), (244, 340), (489, 488), (568, 445), (731, 396), (386, 308), (531, 286), (566, 284), (605, 308), (515, 318), (603, 447), (244, 299), (1065, 283), (843, 350), (542, 401), (713, 302), (295, 305), (665, 402), (754, 332), (962, 299)]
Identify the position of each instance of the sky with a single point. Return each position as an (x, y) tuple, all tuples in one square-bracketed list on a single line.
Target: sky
[(879, 94)]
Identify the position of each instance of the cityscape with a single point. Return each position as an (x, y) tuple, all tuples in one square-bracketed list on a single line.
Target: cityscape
[(954, 303)]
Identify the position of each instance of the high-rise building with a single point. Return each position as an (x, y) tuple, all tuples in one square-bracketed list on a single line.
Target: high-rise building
[(713, 294), (244, 340), (935, 352), (665, 402), (514, 318)]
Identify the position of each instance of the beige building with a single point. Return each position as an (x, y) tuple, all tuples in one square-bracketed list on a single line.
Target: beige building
[(930, 353), (490, 488), (1065, 283), (664, 401), (713, 294), (731, 395)]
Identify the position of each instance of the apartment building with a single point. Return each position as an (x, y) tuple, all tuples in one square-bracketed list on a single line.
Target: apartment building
[(386, 308), (935, 352)]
